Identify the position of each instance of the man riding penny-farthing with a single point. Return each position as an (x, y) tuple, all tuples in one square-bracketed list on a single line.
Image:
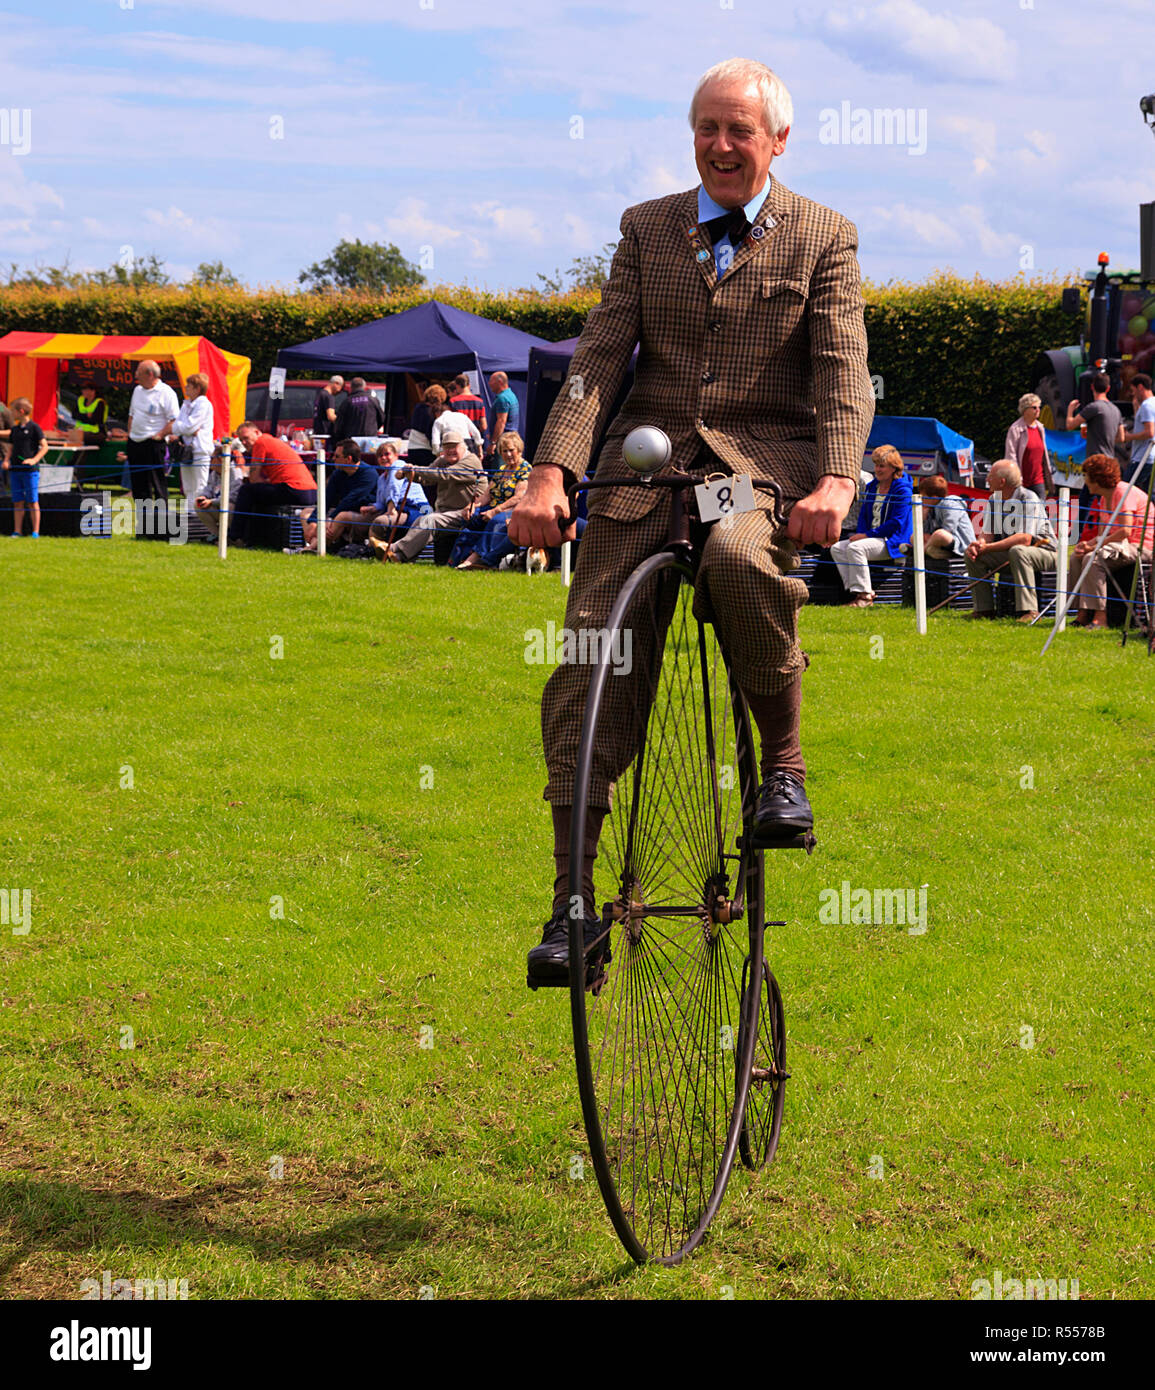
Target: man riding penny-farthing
[(746, 303)]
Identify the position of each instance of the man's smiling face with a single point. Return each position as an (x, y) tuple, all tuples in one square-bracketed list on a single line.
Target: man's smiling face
[(732, 147)]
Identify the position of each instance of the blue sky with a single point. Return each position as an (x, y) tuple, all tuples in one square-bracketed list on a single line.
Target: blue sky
[(260, 132)]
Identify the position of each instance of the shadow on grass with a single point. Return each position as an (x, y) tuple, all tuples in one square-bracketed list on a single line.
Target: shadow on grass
[(71, 1219)]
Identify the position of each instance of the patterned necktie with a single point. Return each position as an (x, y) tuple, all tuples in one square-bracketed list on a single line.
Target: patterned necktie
[(733, 222)]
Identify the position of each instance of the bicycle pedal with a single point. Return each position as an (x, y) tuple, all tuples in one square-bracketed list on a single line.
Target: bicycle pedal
[(799, 839)]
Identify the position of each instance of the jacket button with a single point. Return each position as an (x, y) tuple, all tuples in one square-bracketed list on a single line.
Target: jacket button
[(707, 376), (716, 327)]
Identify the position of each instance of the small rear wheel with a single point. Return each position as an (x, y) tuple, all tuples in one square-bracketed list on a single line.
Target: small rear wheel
[(762, 1121)]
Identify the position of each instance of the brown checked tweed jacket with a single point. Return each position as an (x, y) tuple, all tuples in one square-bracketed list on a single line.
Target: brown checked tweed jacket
[(767, 366)]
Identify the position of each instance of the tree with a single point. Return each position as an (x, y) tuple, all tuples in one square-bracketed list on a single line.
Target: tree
[(214, 273), (358, 265), (134, 271), (585, 272), (147, 271), (45, 277)]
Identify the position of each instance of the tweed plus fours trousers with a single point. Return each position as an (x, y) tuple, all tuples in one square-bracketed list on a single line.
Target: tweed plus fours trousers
[(744, 585)]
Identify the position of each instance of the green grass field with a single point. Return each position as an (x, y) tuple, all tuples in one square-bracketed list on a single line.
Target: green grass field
[(306, 883)]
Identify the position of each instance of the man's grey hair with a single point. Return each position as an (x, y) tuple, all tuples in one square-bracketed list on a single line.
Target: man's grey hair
[(777, 108), (1006, 471), (149, 366)]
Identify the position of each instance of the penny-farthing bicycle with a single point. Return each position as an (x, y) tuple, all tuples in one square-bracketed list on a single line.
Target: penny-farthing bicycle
[(680, 1039)]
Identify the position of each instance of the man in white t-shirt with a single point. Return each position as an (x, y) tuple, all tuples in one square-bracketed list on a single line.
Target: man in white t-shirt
[(153, 409), (464, 426), (1015, 532), (1144, 432)]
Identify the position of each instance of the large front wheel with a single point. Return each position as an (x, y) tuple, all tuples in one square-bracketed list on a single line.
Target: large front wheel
[(663, 1051)]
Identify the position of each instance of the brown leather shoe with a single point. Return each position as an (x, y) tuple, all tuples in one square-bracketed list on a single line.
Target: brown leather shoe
[(1027, 618)]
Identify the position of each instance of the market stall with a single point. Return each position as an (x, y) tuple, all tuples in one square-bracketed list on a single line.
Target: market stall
[(30, 365)]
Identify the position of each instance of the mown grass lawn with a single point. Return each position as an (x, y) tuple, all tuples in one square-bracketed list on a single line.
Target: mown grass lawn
[(306, 882)]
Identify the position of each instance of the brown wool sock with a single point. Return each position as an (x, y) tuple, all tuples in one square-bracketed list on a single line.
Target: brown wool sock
[(779, 719), (561, 829)]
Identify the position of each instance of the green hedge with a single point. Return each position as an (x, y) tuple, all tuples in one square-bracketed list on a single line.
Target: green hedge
[(962, 350), (957, 349)]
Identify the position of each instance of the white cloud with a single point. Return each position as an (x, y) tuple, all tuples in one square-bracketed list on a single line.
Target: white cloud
[(978, 135), (482, 168), (218, 54), (411, 227), (900, 35), (514, 223), (924, 227), (428, 16), (203, 237), (1041, 143), (19, 193), (172, 220)]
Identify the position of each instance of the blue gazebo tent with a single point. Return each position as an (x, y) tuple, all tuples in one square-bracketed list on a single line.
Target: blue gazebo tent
[(433, 338)]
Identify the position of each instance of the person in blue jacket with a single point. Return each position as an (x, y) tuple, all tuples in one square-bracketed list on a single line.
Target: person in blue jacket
[(352, 484), (885, 524)]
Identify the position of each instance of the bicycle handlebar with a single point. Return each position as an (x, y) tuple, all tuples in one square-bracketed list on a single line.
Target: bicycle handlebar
[(676, 481)]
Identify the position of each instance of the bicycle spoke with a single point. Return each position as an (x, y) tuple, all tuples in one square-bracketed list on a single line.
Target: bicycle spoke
[(662, 1034)]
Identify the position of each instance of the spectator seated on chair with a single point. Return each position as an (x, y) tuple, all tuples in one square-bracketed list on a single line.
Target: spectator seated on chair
[(1129, 539), (462, 487), (947, 529), (883, 527), (1015, 532), (484, 542), (352, 484), (397, 505), (277, 478), (208, 500)]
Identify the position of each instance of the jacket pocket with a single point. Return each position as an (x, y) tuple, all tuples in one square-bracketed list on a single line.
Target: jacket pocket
[(797, 289)]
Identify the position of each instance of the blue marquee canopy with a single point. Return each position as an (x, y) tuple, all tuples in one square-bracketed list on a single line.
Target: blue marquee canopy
[(433, 337)]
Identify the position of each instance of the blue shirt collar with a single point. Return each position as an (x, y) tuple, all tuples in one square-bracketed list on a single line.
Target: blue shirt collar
[(708, 208)]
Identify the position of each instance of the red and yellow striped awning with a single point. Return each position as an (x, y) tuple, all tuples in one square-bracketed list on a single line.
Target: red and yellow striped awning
[(28, 368)]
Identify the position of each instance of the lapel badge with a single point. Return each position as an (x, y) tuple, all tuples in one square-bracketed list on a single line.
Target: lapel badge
[(703, 255), (757, 233)]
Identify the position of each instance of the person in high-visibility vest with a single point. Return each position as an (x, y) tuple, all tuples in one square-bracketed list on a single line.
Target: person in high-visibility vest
[(92, 415)]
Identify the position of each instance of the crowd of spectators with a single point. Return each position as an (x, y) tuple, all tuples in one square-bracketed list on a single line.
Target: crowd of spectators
[(378, 505), (459, 474), (1015, 537)]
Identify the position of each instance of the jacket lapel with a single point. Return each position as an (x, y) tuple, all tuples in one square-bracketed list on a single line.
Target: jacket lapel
[(772, 216), (697, 242)]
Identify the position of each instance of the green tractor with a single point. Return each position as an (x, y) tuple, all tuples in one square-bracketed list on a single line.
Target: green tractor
[(1119, 332)]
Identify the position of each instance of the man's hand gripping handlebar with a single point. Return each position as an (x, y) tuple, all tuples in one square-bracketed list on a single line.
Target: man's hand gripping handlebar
[(546, 514)]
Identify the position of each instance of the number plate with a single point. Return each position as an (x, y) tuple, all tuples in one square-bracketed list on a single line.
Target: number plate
[(726, 496)]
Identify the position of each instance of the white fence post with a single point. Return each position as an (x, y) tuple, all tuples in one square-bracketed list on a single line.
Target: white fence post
[(1061, 560), (320, 506), (224, 515), (919, 560)]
